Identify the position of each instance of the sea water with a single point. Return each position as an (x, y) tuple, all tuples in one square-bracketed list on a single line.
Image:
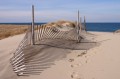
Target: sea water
[(102, 27)]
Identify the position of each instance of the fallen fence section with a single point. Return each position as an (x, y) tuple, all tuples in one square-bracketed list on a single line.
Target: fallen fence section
[(50, 45)]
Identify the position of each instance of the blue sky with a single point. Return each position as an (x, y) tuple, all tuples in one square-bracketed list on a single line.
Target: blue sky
[(52, 10)]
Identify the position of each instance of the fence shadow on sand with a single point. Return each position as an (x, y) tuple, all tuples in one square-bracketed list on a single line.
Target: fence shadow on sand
[(51, 44)]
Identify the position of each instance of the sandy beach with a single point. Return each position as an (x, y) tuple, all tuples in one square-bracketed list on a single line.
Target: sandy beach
[(100, 62)]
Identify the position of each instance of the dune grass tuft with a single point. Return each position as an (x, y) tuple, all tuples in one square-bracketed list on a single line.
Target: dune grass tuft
[(11, 30)]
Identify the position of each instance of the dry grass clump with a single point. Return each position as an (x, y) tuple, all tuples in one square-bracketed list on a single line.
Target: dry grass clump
[(11, 30), (61, 23), (117, 31)]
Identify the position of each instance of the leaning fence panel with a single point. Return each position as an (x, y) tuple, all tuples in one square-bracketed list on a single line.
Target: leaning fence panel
[(33, 59)]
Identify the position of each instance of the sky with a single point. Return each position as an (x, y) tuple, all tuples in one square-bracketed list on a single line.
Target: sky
[(52, 10)]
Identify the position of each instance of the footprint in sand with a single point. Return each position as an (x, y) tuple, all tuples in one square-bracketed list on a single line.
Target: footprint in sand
[(76, 76), (72, 65), (83, 53), (79, 64), (76, 65), (71, 60)]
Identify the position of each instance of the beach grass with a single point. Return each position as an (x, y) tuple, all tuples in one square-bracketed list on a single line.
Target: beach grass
[(11, 30)]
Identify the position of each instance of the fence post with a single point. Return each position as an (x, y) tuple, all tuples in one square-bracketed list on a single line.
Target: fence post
[(85, 24), (78, 27), (32, 29), (80, 24)]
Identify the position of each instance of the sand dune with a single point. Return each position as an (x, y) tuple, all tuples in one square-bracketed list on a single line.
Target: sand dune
[(100, 62)]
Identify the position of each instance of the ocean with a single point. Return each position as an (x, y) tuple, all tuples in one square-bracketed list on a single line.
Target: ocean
[(101, 27)]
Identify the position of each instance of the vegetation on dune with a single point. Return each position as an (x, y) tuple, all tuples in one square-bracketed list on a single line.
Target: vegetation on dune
[(117, 31), (11, 30), (61, 23), (7, 30)]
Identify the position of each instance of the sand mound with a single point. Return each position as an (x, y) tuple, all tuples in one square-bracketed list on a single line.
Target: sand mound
[(61, 25), (117, 31)]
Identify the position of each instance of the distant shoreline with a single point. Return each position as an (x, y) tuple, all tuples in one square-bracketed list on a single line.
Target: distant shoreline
[(19, 28), (90, 26)]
